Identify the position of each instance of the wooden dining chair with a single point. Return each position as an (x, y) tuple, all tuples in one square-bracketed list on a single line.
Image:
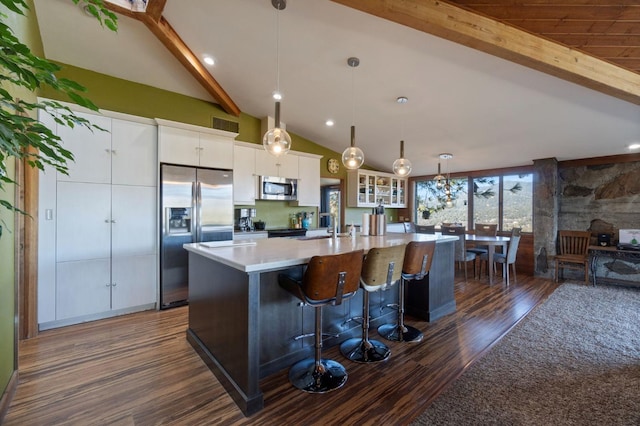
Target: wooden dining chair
[(573, 249), (426, 229)]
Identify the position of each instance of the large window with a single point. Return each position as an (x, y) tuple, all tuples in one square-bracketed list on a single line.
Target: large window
[(503, 199), (517, 202)]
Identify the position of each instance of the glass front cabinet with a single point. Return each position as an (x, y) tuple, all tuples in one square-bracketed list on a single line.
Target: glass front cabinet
[(369, 188)]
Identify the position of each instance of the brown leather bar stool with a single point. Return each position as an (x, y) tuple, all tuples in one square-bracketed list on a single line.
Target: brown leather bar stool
[(381, 268), (328, 280), (417, 263)]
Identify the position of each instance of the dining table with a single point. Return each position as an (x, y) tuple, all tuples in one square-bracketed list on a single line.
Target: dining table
[(491, 242)]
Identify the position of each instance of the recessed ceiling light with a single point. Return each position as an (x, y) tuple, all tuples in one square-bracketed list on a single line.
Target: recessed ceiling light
[(634, 146), (329, 123), (402, 99), (209, 60)]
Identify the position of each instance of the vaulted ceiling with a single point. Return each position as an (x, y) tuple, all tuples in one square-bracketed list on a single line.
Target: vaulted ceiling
[(569, 87)]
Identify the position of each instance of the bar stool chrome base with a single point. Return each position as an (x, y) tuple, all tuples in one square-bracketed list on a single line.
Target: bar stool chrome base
[(365, 351), (328, 375), (398, 333)]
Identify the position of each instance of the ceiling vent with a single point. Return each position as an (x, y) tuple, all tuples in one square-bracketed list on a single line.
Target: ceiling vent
[(226, 125)]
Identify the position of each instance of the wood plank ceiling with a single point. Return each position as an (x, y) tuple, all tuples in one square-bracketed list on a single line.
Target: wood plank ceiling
[(606, 29), (595, 43)]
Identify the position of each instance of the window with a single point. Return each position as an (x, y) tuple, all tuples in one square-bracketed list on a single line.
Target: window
[(503, 199), (517, 202), (486, 203), (431, 202)]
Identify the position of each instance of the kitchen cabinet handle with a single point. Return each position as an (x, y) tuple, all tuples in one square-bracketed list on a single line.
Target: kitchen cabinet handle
[(114, 284), (108, 151), (106, 221), (113, 151), (113, 221)]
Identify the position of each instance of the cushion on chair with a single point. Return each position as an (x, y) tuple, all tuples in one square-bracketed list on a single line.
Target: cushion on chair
[(375, 267)]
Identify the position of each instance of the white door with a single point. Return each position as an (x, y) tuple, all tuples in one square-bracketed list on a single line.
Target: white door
[(83, 227), (91, 150), (178, 146), (309, 181), (134, 281), (244, 176), (134, 156), (134, 228), (83, 288), (216, 152)]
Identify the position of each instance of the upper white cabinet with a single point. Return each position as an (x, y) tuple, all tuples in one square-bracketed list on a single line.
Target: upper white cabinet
[(268, 165), (244, 174), (370, 188), (190, 145), (308, 180), (91, 149)]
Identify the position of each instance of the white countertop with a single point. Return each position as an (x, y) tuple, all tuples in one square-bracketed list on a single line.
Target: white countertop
[(262, 255)]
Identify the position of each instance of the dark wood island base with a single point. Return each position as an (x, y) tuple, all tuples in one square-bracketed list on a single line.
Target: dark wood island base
[(242, 324)]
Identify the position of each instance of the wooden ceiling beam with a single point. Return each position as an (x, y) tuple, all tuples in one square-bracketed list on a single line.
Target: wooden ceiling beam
[(153, 20), (482, 33)]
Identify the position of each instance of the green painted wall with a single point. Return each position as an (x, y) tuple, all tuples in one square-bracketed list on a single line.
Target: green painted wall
[(26, 29), (124, 96)]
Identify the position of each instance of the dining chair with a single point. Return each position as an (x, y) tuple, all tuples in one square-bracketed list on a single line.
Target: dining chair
[(462, 256), (506, 259), (425, 229), (409, 227), (573, 249), (484, 229)]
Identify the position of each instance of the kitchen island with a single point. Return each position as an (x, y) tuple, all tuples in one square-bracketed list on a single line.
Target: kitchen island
[(243, 325)]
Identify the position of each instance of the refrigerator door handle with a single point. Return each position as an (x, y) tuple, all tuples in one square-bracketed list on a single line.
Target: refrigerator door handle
[(198, 211)]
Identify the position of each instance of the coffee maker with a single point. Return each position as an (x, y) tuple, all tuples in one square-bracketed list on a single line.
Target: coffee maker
[(244, 219)]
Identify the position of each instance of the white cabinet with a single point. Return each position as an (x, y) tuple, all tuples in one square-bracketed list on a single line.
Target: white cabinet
[(190, 145), (284, 166), (308, 181), (370, 188), (101, 224), (244, 175)]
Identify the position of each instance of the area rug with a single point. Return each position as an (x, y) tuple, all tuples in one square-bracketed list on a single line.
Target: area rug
[(574, 360)]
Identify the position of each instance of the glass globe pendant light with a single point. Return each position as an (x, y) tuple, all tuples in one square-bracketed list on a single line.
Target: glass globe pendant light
[(402, 166), (276, 141), (353, 157)]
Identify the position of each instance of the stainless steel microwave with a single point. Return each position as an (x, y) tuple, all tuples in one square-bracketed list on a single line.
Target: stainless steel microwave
[(277, 188)]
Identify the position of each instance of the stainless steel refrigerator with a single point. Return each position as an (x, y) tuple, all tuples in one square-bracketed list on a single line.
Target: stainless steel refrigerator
[(196, 206)]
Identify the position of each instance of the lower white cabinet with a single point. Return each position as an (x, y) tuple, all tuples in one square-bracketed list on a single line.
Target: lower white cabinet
[(82, 288)]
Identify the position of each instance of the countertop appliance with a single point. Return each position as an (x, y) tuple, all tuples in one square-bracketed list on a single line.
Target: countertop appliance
[(196, 206), (244, 219), (277, 188)]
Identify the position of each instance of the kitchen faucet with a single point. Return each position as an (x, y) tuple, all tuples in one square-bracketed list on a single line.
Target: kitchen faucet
[(333, 223)]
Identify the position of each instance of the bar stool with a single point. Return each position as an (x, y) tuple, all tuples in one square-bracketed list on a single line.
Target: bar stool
[(416, 265), (380, 269), (328, 280)]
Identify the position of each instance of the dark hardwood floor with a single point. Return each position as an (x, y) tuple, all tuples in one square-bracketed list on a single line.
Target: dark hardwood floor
[(139, 369)]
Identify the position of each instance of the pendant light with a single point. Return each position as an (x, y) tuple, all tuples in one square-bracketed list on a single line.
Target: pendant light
[(276, 141), (402, 166), (353, 157), (449, 202)]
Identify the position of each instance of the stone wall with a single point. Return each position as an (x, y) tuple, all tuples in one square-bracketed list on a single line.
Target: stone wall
[(602, 198)]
